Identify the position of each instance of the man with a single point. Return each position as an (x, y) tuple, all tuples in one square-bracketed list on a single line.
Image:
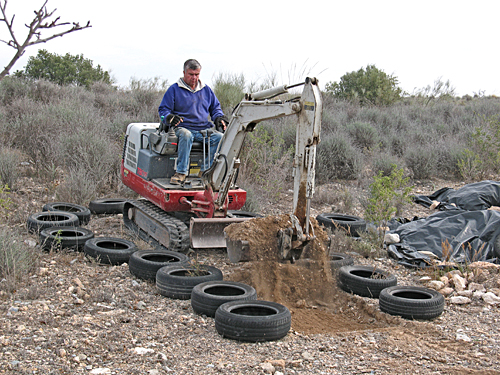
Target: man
[(186, 105)]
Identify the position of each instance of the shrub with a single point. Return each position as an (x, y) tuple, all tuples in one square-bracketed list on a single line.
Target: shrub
[(364, 135), (265, 162), (229, 89), (9, 160), (483, 152), (387, 196), (337, 158), (370, 87), (421, 162), (383, 163), (64, 70), (17, 260)]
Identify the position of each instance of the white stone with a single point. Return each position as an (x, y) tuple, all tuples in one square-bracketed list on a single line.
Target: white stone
[(100, 370), (463, 337), (139, 350), (459, 300), (491, 299), (391, 238), (476, 287), (459, 282), (267, 367), (436, 285)]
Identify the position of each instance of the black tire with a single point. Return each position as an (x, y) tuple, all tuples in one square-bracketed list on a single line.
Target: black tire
[(364, 281), (253, 321), (41, 220), (177, 281), (107, 206), (338, 260), (411, 302), (144, 264), (110, 250), (207, 297), (58, 238), (82, 212), (353, 225), (235, 213)]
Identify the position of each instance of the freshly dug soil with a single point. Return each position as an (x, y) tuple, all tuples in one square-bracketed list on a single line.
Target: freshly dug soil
[(307, 288)]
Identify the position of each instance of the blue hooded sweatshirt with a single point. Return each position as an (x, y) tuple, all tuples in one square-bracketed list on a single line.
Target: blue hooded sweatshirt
[(194, 106)]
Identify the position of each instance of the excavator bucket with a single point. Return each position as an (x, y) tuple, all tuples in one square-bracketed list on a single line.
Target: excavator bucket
[(209, 233)]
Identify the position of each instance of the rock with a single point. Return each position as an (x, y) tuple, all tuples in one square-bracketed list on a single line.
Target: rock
[(436, 285), (459, 282), (478, 295), (465, 293), (476, 287), (267, 368), (454, 272), (78, 283), (495, 291), (446, 291), (391, 238), (42, 271), (278, 363), (434, 205), (425, 279), (445, 280), (460, 300), (139, 350), (307, 356), (141, 305), (62, 353), (100, 370), (463, 337), (484, 265), (491, 299)]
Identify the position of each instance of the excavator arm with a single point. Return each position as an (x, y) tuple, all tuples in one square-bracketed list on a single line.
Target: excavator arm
[(220, 177)]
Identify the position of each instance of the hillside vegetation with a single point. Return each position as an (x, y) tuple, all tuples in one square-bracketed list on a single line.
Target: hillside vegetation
[(75, 135)]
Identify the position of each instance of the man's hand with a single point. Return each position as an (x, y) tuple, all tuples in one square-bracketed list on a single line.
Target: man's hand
[(221, 123), (174, 120)]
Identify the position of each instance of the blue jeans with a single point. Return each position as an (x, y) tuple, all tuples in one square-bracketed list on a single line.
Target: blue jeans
[(184, 143)]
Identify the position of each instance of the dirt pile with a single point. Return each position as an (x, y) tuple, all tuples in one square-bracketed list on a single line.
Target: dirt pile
[(308, 288)]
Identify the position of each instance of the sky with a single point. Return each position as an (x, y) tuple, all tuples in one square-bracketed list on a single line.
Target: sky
[(418, 42)]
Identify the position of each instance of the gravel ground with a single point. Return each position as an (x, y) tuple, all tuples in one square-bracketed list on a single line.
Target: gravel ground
[(75, 316)]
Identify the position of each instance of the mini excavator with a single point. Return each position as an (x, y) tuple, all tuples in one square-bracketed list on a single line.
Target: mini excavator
[(195, 213)]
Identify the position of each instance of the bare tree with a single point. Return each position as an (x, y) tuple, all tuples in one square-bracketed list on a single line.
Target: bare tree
[(38, 25)]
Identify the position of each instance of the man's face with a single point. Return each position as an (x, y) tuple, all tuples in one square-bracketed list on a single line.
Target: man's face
[(191, 77)]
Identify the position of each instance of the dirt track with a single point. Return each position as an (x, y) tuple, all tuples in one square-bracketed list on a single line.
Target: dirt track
[(76, 316)]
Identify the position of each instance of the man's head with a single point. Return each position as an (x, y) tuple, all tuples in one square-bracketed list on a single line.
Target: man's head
[(191, 72)]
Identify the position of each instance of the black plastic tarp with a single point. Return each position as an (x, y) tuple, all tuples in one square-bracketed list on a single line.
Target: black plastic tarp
[(464, 231), (472, 197)]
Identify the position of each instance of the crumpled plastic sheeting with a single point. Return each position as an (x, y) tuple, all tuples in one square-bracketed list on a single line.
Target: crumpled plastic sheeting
[(469, 236), (472, 197)]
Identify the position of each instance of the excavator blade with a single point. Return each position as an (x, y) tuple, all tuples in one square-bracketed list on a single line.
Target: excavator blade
[(209, 233)]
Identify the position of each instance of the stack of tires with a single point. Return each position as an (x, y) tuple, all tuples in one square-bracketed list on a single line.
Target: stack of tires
[(60, 226), (409, 302), (234, 306)]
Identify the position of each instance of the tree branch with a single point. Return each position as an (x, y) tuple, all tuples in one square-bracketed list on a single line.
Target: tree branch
[(40, 23)]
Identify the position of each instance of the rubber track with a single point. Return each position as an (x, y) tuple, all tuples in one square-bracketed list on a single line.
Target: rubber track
[(178, 231)]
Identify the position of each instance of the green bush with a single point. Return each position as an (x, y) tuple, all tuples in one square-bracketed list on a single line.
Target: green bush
[(17, 260), (421, 162), (230, 90), (337, 158), (64, 70), (9, 167), (388, 194), (383, 163), (364, 135), (370, 86)]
